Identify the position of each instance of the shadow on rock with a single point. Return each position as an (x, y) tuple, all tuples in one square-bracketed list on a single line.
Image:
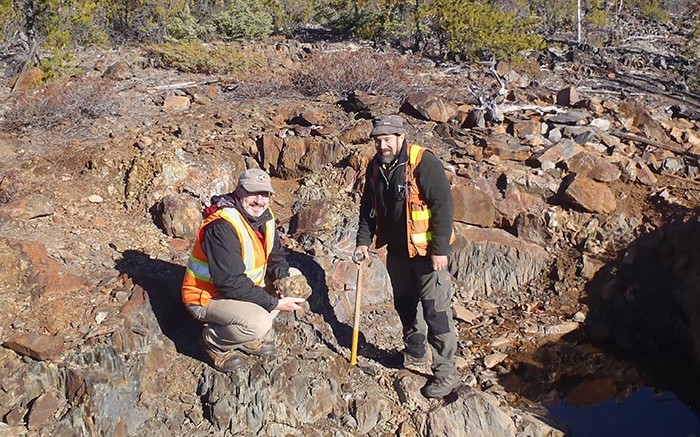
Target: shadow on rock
[(319, 303), (645, 307), (162, 281), (642, 329)]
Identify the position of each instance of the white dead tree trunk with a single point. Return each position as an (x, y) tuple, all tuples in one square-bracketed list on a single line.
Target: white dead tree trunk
[(578, 21)]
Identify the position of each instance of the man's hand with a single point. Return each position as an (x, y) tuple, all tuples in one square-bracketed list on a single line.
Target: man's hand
[(289, 304), (360, 254), (439, 262)]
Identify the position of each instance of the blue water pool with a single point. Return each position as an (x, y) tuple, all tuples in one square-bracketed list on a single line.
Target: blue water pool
[(644, 413)]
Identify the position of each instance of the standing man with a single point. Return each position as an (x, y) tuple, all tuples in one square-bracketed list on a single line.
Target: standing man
[(407, 204), (237, 246)]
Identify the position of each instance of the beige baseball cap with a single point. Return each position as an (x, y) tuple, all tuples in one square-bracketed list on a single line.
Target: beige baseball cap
[(254, 180)]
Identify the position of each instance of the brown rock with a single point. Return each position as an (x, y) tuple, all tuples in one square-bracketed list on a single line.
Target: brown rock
[(319, 152), (26, 208), (47, 277), (521, 128), (475, 118), (516, 202), (591, 265), (505, 147), (359, 101), (638, 170), (43, 410), (271, 148), (29, 264), (118, 71), (639, 119), (358, 133), (178, 215), (292, 151), (488, 261), (473, 206), (431, 107), (590, 195), (38, 346), (594, 167), (561, 151), (313, 117), (311, 218), (502, 67), (280, 117), (176, 103), (15, 416)]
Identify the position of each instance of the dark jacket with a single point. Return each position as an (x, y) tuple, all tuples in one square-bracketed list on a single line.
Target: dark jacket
[(390, 195), (223, 249)]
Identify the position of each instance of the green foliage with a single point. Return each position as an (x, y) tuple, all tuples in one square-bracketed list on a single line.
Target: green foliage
[(651, 10), (185, 26), (290, 14), (142, 20), (62, 25), (372, 19), (596, 15), (9, 21), (195, 57), (474, 28), (248, 19), (555, 15)]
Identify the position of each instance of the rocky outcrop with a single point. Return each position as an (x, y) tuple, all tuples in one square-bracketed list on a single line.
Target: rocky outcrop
[(548, 187), (490, 261)]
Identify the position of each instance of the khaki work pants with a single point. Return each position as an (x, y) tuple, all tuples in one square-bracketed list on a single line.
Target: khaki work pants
[(229, 323)]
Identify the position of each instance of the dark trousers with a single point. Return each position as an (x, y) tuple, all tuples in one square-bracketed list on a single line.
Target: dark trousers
[(414, 281)]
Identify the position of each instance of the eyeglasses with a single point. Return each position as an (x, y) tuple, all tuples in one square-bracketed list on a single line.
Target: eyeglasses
[(263, 194)]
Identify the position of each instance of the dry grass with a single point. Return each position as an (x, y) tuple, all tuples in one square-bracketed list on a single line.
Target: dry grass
[(60, 102), (362, 70)]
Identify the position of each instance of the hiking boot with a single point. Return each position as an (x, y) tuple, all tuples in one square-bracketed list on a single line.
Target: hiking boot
[(441, 386), (410, 360), (258, 347), (228, 361)]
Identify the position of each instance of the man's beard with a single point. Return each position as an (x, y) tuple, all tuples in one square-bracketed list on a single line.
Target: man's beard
[(387, 159)]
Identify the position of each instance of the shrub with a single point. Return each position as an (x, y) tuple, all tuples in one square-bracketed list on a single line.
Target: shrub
[(474, 28), (142, 20), (195, 57), (555, 15), (247, 19), (186, 27), (60, 102), (288, 15), (9, 22), (596, 14), (362, 70), (650, 10)]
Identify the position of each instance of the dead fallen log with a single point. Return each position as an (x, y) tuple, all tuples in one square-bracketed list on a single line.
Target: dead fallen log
[(654, 143), (188, 84)]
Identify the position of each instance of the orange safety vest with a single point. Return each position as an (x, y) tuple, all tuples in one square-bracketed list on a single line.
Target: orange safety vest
[(418, 234), (197, 286)]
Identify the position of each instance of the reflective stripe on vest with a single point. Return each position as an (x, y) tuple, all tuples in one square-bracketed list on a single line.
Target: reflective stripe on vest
[(197, 286), (198, 269), (416, 209), (254, 267)]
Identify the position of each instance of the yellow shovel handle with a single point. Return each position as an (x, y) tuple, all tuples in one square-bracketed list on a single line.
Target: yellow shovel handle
[(356, 318)]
